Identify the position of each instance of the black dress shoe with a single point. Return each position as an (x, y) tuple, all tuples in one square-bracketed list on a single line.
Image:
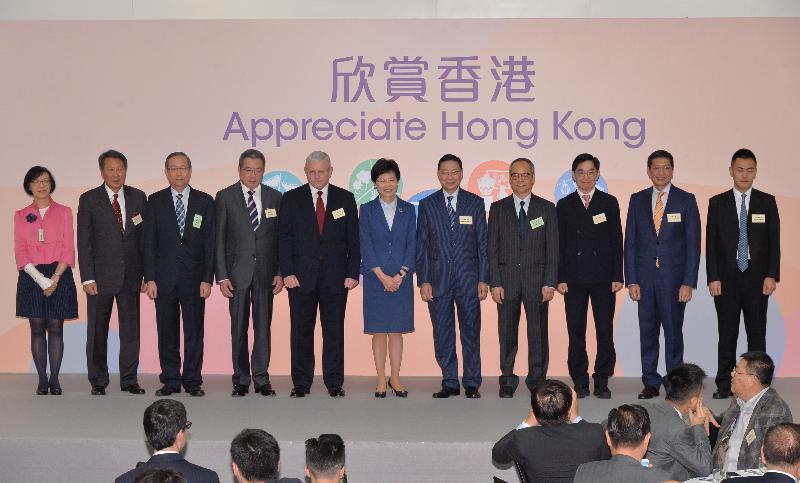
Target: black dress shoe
[(196, 392), (397, 393), (266, 390), (98, 391), (133, 389), (239, 390), (166, 391), (506, 392), (299, 391), (56, 391), (446, 392), (336, 391), (471, 392), (41, 389), (722, 394), (582, 391), (649, 392), (602, 392)]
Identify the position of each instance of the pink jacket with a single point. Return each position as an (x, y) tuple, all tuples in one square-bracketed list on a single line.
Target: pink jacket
[(58, 244)]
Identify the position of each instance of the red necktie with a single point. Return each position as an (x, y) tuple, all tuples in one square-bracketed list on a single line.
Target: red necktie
[(118, 214), (320, 212)]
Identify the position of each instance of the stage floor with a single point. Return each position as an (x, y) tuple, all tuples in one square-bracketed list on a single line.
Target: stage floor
[(79, 437)]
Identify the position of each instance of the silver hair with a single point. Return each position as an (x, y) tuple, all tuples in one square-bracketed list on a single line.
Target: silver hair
[(318, 156), (523, 160)]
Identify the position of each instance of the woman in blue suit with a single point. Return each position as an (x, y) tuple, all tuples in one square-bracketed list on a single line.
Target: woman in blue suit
[(387, 228)]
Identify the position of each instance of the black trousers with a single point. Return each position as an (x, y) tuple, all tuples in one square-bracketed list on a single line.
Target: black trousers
[(259, 300), (576, 305), (98, 308), (741, 295), (303, 310), (184, 300), (508, 314)]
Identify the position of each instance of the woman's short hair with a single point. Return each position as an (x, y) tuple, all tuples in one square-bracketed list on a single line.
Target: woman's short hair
[(34, 173), (383, 166)]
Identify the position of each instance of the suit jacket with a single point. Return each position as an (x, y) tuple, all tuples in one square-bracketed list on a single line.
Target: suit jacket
[(173, 461), (387, 248), (589, 251), (681, 450), (523, 263), (465, 255), (619, 469), (552, 453), (327, 259), (677, 246), (167, 255), (768, 477), (722, 236), (59, 241), (113, 261), (770, 410), (243, 255)]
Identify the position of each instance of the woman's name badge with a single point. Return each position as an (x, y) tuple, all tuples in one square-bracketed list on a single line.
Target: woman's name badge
[(41, 234)]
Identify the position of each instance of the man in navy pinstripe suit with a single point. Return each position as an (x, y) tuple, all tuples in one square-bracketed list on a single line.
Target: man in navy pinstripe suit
[(452, 267)]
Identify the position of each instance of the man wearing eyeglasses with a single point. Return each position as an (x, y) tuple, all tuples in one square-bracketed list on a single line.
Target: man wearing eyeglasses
[(523, 270), (247, 268)]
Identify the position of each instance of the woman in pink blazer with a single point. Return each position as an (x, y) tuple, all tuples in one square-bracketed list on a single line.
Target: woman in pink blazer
[(45, 252)]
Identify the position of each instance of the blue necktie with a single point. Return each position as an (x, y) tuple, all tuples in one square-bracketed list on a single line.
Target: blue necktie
[(451, 213), (741, 252), (180, 212), (521, 218), (252, 210)]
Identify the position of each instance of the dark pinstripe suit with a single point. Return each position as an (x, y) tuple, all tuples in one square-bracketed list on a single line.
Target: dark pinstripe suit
[(522, 265)]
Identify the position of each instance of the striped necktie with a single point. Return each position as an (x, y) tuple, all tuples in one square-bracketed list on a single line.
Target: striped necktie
[(741, 251), (252, 210), (658, 213), (451, 213), (180, 213)]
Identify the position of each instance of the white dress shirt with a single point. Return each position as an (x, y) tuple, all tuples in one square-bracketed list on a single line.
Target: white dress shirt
[(256, 197), (120, 200), (324, 195), (737, 197), (454, 194), (389, 210), (185, 199), (517, 202), (654, 198)]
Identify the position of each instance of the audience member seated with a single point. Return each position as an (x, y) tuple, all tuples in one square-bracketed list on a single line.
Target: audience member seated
[(781, 454), (256, 458), (325, 459), (628, 434), (551, 449), (166, 428), (757, 407), (679, 425), (163, 475)]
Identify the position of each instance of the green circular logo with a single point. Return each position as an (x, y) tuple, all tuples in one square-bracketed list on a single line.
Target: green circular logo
[(361, 184)]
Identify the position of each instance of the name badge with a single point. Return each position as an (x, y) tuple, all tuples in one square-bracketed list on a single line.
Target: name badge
[(465, 220), (137, 220), (673, 217), (270, 213), (759, 218), (197, 221), (41, 234), (597, 219), (337, 213), (536, 223), (751, 436)]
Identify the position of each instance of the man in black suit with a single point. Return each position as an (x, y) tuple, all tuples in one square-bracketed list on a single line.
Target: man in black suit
[(256, 457), (743, 257), (523, 270), (167, 428), (319, 258), (781, 454), (179, 271), (590, 266), (246, 253), (110, 236), (554, 440)]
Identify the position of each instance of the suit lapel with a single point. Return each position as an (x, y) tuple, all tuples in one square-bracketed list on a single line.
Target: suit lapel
[(190, 208), (105, 204)]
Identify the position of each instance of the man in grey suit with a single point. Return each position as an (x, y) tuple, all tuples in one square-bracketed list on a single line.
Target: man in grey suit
[(247, 268), (680, 425), (757, 408), (628, 435), (523, 270), (781, 455)]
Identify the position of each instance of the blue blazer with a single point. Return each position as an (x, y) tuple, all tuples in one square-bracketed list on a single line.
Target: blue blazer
[(385, 248), (437, 257), (677, 245)]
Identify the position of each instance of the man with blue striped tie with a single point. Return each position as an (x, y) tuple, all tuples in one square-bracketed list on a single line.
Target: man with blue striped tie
[(247, 268)]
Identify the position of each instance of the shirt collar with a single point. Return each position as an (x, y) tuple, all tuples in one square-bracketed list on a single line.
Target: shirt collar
[(185, 192), (665, 190), (165, 451), (581, 193), (751, 403), (245, 189), (454, 194), (111, 192), (314, 190), (388, 205), (527, 199), (738, 194)]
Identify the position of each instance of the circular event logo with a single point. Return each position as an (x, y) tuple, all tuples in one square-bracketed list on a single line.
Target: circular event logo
[(490, 180), (414, 200), (361, 184), (566, 185), (282, 181)]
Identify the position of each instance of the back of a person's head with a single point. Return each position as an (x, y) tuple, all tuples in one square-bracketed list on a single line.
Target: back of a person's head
[(760, 365), (628, 426), (257, 455), (684, 381), (550, 402), (161, 475), (782, 445), (162, 421), (325, 456)]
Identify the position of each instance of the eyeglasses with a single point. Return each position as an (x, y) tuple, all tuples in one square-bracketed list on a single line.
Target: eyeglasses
[(523, 176), (590, 173), (455, 172), (178, 169), (187, 425), (734, 371), (41, 182)]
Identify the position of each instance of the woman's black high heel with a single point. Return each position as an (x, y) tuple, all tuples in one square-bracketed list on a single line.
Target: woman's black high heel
[(396, 392), (55, 389), (379, 394), (41, 389)]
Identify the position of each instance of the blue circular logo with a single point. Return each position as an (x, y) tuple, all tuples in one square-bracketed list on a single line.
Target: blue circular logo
[(414, 200), (566, 185), (282, 181)]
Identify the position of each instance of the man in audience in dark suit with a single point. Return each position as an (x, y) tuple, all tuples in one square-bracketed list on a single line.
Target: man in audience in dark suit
[(590, 266), (325, 459), (550, 445), (743, 263), (523, 270), (167, 428), (256, 458), (757, 408), (781, 455), (320, 261), (179, 271), (628, 434), (246, 226), (110, 249)]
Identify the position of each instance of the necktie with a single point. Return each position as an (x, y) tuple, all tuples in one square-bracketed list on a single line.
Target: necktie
[(180, 213), (320, 212), (658, 213), (118, 214), (586, 201), (521, 218), (451, 213), (741, 252), (252, 210)]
